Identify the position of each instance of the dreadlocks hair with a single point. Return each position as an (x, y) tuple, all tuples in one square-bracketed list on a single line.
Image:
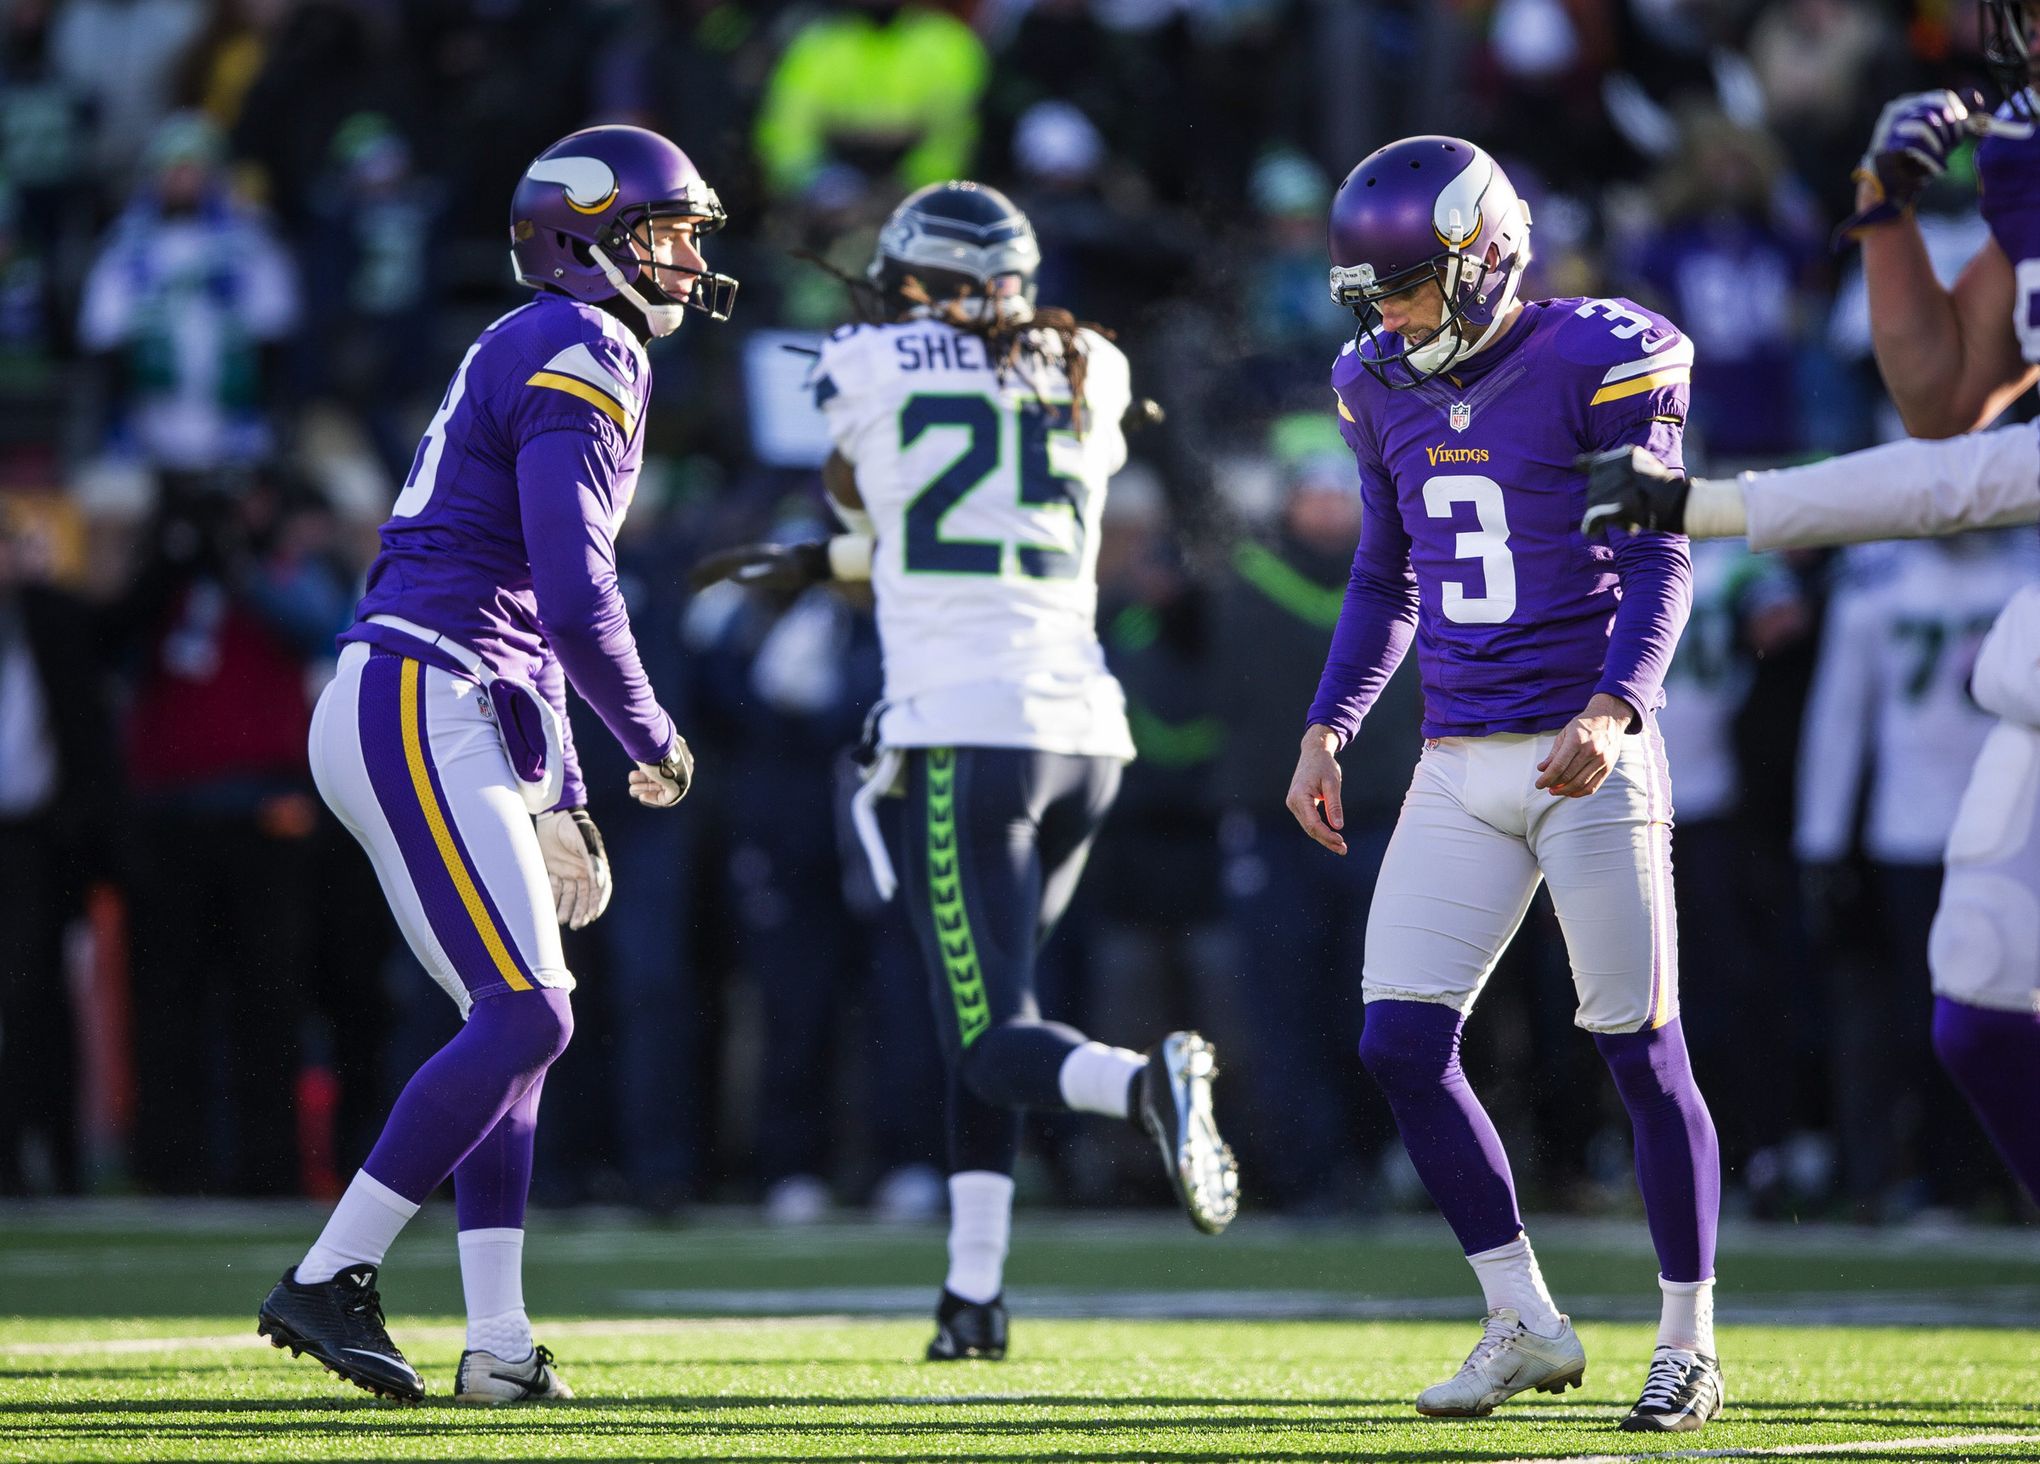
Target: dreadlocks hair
[(1009, 344)]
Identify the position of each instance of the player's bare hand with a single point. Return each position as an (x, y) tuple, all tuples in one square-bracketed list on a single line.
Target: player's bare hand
[(1585, 751), (1314, 789)]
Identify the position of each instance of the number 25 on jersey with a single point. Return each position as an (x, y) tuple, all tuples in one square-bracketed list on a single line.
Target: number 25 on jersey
[(986, 458)]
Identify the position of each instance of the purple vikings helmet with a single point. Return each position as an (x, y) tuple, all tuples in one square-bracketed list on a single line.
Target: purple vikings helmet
[(583, 201), (1420, 209)]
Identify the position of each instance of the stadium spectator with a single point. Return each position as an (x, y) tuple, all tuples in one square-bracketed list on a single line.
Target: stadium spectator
[(372, 285), (56, 814), (890, 88), (184, 309), (228, 610), (1299, 917), (122, 57), (1735, 253), (1890, 724)]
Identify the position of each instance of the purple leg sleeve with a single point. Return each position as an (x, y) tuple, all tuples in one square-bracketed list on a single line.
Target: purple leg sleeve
[(463, 1091), (1412, 1049), (1678, 1163), (1994, 1058), (490, 1185)]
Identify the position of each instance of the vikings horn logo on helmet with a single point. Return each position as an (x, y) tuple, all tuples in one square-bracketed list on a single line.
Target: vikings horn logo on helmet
[(589, 183)]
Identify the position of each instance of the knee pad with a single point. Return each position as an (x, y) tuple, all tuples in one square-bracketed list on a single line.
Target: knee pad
[(1984, 949)]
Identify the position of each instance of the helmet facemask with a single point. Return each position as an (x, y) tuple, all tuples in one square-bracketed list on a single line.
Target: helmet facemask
[(1477, 294), (663, 292), (1003, 300), (2007, 50)]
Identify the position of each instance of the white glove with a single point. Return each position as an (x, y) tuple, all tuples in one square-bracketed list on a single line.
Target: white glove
[(576, 863), (663, 784)]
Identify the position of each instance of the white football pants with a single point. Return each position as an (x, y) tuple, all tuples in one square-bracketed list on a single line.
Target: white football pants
[(1985, 947), (1475, 837), (407, 757)]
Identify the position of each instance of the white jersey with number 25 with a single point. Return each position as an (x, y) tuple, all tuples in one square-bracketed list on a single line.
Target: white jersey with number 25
[(985, 491)]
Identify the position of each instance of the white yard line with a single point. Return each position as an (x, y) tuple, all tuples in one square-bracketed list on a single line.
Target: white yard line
[(430, 1336), (1784, 1451)]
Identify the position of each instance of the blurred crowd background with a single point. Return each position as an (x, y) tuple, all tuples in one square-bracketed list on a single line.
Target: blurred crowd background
[(243, 243)]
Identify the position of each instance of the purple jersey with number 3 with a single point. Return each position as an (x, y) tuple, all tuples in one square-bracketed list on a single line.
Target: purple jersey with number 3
[(1471, 528), (503, 539), (2008, 170)]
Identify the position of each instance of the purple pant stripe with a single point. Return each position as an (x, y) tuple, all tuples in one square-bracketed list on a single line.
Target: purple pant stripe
[(474, 874), (389, 773)]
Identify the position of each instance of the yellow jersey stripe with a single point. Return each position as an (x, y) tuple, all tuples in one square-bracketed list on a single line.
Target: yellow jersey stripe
[(463, 882), (1671, 376), (1342, 408), (594, 396)]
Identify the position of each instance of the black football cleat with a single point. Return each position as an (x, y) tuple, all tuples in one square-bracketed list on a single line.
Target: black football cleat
[(340, 1323), (1174, 1106), (1682, 1393), (968, 1329)]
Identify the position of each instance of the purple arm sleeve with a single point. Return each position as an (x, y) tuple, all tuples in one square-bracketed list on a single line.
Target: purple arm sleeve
[(1377, 619), (564, 480), (552, 685), (1656, 571)]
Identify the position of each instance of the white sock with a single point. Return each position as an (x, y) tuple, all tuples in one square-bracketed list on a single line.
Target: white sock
[(1688, 1318), (980, 1225), (359, 1230), (1096, 1078), (492, 1279), (1509, 1277)]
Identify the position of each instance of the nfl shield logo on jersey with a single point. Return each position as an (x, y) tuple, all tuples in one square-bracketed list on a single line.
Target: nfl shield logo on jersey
[(1461, 416)]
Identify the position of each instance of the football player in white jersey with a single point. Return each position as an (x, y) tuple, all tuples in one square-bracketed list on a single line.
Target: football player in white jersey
[(1952, 360), (974, 434)]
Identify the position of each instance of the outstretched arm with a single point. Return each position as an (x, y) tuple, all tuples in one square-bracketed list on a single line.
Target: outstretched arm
[(1902, 490)]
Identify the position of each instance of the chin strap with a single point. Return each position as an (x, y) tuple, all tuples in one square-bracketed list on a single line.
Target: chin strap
[(662, 319)]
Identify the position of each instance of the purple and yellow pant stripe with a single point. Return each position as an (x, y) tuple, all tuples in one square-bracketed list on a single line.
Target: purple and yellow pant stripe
[(396, 749)]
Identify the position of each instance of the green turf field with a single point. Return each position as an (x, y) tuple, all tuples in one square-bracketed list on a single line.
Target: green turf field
[(128, 1334)]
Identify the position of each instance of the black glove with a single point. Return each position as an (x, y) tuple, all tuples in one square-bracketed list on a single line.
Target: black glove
[(1627, 488), (768, 566)]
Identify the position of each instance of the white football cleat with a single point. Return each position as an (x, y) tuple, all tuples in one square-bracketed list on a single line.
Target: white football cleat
[(1509, 1359), (484, 1377)]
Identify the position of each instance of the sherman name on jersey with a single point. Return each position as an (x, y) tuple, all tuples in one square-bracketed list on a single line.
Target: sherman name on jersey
[(985, 489)]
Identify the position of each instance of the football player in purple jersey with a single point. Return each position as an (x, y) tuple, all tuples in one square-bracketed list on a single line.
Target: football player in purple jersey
[(442, 741), (1542, 659), (1952, 359)]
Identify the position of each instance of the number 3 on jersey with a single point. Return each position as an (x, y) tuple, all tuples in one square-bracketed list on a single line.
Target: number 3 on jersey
[(425, 465), (1489, 543), (927, 550)]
